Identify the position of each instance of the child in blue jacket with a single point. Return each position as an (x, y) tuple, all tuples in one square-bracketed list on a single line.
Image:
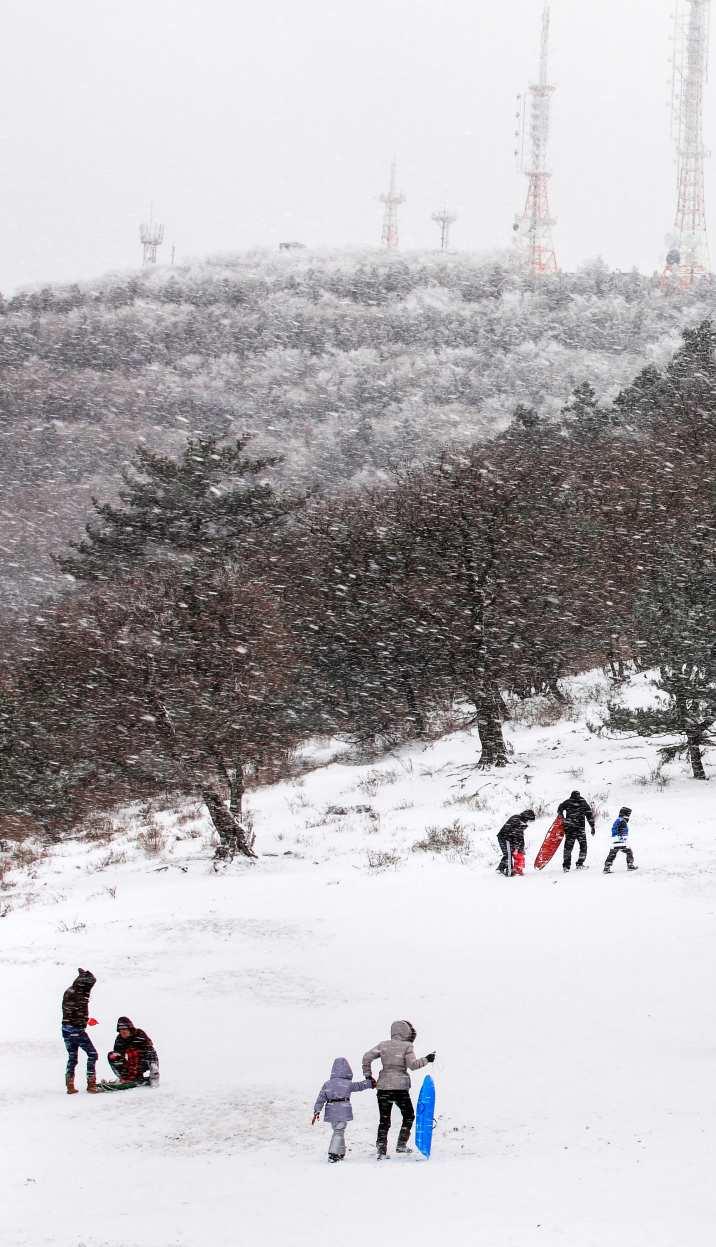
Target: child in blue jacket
[(620, 841), (336, 1095)]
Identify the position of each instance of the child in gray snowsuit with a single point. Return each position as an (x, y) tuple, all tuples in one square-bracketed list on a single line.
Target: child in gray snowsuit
[(336, 1095)]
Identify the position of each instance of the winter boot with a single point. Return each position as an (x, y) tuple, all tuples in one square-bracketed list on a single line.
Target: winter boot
[(607, 870), (92, 1084), (380, 1154), (70, 1084), (403, 1147), (333, 1158), (632, 867)]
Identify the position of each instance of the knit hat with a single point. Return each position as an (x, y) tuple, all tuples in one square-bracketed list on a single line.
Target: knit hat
[(624, 811), (125, 1024)]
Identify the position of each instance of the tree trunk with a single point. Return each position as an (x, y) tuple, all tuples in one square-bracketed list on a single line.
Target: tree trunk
[(416, 715), (695, 756), (228, 828), (489, 726), (555, 691), (693, 736), (237, 789)]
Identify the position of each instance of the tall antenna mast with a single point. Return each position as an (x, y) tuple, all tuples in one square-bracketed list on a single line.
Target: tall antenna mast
[(444, 219), (533, 229), (392, 199), (688, 256), (151, 236)]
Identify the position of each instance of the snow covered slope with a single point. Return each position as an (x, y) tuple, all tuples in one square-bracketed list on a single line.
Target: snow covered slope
[(573, 1016)]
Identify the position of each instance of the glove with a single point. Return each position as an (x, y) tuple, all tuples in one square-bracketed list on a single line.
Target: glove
[(314, 1119), (430, 1057), (113, 1057), (92, 1022)]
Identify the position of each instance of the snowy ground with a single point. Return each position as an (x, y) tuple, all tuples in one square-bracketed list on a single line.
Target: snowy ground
[(573, 1016)]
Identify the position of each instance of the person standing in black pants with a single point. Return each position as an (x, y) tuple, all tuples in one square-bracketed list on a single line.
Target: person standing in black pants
[(397, 1056), (575, 810)]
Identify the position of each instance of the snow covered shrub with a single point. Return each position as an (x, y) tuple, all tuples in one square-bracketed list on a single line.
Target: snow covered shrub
[(383, 861), (655, 779), (537, 712), (452, 840), (375, 780), (538, 804), (99, 829), (473, 800), (23, 856), (152, 839), (72, 928), (116, 857)]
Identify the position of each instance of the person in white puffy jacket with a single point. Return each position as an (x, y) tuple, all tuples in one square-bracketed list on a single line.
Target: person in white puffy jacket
[(397, 1056)]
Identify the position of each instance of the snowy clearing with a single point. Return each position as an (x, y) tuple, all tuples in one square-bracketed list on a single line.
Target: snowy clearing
[(573, 1016)]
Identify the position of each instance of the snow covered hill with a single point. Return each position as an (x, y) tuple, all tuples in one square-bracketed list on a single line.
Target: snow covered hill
[(573, 1015)]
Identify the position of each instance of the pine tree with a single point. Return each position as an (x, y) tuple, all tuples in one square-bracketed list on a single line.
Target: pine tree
[(676, 619), (186, 543), (208, 505)]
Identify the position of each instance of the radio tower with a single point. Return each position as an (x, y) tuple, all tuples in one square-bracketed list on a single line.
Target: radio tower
[(151, 236), (444, 219), (534, 228), (392, 200), (688, 257)]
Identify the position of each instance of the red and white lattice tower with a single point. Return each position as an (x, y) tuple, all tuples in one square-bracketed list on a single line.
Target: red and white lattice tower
[(688, 257), (533, 229), (392, 199)]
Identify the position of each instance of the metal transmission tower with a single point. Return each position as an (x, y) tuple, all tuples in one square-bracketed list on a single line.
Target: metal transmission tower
[(392, 199), (151, 236), (444, 219), (533, 229), (688, 256)]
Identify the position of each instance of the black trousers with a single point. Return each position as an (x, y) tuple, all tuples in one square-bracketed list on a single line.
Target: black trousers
[(386, 1100), (574, 836), (516, 842), (619, 848)]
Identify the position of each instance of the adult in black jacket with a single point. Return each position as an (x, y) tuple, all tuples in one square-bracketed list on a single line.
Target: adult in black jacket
[(511, 837), (75, 1016), (575, 811), (132, 1054)]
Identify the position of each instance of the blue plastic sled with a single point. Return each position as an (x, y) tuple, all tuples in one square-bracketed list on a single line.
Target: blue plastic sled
[(425, 1116)]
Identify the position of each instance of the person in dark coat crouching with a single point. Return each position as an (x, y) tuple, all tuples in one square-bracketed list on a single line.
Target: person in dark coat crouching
[(336, 1095), (574, 811), (133, 1055), (75, 1019), (511, 839)]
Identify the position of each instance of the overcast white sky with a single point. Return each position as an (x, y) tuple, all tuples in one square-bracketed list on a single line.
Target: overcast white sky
[(250, 122)]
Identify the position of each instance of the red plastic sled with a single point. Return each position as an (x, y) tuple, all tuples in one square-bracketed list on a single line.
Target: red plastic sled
[(551, 843)]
